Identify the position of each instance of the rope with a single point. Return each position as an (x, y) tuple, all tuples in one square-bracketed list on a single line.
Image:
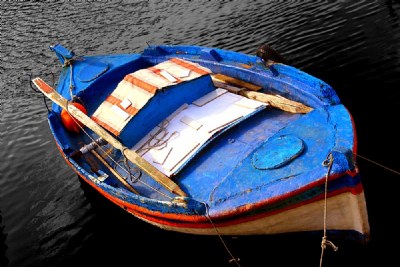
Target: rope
[(111, 158), (376, 163), (157, 140), (328, 162), (68, 63), (233, 259), (37, 91)]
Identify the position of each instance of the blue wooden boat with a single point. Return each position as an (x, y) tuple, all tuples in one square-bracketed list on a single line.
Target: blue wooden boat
[(206, 141)]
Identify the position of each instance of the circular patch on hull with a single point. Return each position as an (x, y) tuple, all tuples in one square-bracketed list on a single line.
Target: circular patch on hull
[(277, 152)]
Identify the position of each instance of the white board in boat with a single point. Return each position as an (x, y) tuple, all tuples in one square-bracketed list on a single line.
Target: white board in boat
[(171, 144)]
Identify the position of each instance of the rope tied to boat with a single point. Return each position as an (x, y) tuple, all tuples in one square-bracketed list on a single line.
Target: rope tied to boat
[(132, 177), (328, 162), (68, 63), (326, 242), (232, 259)]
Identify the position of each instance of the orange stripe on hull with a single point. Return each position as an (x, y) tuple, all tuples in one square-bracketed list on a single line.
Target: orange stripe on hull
[(200, 221)]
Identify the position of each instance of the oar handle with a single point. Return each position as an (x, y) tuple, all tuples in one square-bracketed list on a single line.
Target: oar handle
[(131, 155)]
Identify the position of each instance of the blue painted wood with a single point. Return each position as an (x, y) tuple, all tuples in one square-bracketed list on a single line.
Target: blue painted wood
[(277, 152), (260, 159), (161, 105), (62, 53), (93, 69), (226, 160)]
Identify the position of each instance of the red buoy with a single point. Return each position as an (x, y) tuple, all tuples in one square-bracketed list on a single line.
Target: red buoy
[(70, 123)]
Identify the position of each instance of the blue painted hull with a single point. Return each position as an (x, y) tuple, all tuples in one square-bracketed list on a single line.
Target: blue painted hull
[(223, 184)]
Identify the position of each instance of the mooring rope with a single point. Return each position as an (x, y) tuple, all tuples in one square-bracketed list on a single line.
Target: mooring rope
[(376, 163), (233, 259), (68, 63), (328, 162)]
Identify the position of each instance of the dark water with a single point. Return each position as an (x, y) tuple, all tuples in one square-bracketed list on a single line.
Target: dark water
[(48, 219)]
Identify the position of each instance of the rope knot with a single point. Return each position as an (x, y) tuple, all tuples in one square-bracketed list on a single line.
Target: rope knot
[(326, 242), (234, 260), (67, 62), (328, 161)]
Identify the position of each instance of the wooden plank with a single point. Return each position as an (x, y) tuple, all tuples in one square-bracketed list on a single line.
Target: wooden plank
[(236, 82), (209, 97), (191, 122), (116, 174), (158, 176), (275, 101)]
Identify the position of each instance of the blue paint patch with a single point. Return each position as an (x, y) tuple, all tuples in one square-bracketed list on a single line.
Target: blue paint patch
[(92, 70), (277, 152)]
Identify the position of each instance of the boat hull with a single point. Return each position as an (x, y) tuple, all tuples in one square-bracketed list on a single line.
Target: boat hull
[(263, 175)]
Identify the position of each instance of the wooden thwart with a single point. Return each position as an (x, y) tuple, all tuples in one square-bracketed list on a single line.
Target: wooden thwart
[(52, 94), (249, 90)]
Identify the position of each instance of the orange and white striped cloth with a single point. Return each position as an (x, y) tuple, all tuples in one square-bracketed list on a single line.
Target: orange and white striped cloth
[(137, 88)]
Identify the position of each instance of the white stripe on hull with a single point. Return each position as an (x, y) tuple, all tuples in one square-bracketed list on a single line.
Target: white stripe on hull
[(346, 211)]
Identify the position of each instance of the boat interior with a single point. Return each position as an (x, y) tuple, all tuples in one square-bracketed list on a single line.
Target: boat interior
[(217, 145)]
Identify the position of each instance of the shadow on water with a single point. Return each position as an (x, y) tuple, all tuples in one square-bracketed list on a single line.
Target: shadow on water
[(3, 246)]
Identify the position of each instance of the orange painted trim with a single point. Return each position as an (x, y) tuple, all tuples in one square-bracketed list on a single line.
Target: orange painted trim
[(116, 101), (43, 86), (190, 66), (201, 221), (105, 126), (142, 84), (157, 71)]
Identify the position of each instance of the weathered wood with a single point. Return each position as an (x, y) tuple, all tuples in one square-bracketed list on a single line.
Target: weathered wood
[(116, 174), (242, 88), (158, 176), (236, 82), (277, 102)]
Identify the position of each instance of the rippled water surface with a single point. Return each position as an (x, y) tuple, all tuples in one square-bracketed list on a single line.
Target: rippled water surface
[(47, 218)]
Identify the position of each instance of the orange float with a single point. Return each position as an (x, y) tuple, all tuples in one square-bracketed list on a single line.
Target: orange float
[(70, 123)]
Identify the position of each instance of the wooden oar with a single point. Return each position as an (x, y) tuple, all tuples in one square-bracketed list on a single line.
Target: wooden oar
[(84, 151), (116, 174), (158, 176), (249, 90)]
